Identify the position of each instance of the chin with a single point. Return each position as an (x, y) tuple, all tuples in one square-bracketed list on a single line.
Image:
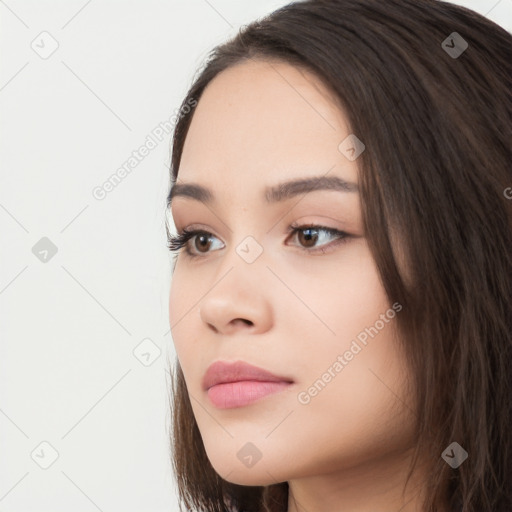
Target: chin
[(249, 477), (235, 472)]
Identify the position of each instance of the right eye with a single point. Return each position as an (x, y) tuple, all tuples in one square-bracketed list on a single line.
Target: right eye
[(181, 240)]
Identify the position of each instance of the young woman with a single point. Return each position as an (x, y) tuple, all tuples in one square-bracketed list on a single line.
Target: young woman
[(341, 298)]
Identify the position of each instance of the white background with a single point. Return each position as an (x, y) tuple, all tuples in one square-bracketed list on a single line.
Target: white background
[(69, 325)]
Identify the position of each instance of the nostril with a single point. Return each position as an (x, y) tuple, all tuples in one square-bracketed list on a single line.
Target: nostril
[(245, 321)]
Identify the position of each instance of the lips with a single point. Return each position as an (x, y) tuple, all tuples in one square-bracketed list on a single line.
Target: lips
[(222, 372)]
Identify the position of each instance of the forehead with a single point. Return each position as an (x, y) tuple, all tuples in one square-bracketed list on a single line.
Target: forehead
[(263, 122)]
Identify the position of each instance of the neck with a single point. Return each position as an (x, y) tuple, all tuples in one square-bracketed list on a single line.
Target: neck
[(375, 485)]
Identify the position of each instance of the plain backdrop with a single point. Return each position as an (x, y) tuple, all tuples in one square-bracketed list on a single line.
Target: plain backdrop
[(85, 272)]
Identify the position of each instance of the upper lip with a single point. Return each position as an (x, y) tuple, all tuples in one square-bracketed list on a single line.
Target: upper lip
[(222, 372)]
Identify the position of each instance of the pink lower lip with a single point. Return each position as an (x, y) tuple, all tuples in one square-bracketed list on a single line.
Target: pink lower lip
[(238, 394)]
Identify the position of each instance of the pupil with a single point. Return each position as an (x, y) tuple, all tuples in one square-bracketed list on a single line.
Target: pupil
[(309, 237), (203, 239)]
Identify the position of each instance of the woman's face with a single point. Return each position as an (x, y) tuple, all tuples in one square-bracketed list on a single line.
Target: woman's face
[(307, 306)]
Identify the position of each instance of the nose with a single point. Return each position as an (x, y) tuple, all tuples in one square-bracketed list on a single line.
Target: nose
[(238, 301)]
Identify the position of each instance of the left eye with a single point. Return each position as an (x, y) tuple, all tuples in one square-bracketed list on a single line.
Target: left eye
[(307, 234), (310, 235)]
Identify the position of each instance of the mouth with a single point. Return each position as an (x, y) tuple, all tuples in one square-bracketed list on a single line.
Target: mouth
[(238, 394), (230, 385)]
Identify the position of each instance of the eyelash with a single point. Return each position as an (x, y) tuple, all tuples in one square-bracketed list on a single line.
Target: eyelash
[(179, 241)]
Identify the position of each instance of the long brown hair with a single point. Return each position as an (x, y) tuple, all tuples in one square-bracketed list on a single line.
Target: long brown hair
[(434, 110)]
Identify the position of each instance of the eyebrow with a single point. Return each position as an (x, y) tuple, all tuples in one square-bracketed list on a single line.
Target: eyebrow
[(274, 194)]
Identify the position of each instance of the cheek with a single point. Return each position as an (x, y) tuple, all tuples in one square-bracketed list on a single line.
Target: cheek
[(185, 291), (361, 417), (344, 293), (357, 375), (174, 303), (180, 312), (358, 408)]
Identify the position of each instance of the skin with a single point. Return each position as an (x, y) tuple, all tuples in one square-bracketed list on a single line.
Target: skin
[(258, 124)]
